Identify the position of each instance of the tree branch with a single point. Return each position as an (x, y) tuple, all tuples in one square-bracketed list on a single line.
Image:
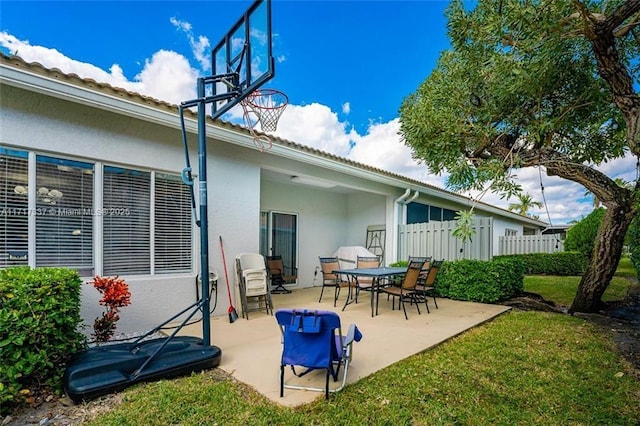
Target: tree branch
[(598, 183), (621, 14), (625, 29), (600, 31)]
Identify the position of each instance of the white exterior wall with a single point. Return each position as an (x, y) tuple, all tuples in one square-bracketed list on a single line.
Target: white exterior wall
[(499, 227), (364, 210), (53, 127), (322, 223), (236, 191), (234, 214)]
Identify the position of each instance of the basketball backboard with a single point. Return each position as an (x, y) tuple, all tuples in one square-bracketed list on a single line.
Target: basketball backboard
[(247, 51)]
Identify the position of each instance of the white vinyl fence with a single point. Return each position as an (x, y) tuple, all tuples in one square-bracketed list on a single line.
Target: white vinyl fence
[(523, 244), (435, 239)]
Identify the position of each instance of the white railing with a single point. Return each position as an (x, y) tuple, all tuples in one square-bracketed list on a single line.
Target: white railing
[(523, 244), (435, 239)]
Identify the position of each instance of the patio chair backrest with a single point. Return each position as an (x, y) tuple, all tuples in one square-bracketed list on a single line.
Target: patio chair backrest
[(275, 265), (367, 262), (426, 261), (412, 275), (433, 272), (276, 268), (327, 266)]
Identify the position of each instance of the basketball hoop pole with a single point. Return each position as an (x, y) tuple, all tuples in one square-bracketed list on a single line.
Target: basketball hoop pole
[(201, 102), (233, 79), (204, 220), (271, 113)]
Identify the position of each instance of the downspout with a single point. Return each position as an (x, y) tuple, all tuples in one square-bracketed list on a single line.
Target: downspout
[(415, 195), (396, 224), (403, 216)]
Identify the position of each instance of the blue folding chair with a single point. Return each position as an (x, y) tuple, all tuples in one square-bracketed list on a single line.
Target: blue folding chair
[(314, 340)]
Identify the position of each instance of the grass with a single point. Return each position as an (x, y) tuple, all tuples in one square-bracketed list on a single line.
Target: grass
[(521, 368), (562, 290)]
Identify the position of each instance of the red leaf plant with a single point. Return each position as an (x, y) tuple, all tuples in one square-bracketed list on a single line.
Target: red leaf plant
[(115, 295)]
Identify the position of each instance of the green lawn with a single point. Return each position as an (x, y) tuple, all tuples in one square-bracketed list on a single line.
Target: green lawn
[(562, 290), (522, 368)]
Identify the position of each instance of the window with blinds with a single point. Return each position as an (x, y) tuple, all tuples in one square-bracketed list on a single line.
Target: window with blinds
[(126, 217), (64, 214), (13, 207), (173, 231)]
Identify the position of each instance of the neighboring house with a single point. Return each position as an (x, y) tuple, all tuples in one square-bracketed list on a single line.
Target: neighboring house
[(559, 230), (90, 179)]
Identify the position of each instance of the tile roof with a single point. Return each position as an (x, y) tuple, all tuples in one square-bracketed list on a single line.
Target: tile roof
[(108, 89), (105, 88)]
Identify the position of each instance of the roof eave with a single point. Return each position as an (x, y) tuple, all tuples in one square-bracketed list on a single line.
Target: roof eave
[(164, 114)]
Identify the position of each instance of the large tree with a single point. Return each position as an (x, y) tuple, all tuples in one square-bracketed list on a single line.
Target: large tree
[(537, 83)]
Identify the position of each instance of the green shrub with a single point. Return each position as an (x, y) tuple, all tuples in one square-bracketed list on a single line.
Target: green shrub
[(399, 263), (633, 239), (561, 263), (481, 281), (39, 323), (581, 237)]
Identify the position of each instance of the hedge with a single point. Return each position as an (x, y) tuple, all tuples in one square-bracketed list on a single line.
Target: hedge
[(560, 263), (39, 329), (480, 281)]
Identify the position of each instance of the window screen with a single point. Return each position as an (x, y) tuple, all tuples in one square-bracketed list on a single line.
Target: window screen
[(13, 207), (126, 221), (173, 232), (64, 213)]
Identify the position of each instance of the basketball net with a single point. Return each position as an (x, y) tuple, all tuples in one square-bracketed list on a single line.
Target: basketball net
[(264, 106)]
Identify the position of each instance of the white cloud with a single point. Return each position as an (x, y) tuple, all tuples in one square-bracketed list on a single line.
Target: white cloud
[(52, 58), (346, 108), (315, 125), (199, 45), (168, 76), (181, 25), (624, 168), (381, 147)]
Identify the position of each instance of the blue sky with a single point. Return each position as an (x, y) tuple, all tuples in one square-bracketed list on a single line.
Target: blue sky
[(345, 65), (367, 53)]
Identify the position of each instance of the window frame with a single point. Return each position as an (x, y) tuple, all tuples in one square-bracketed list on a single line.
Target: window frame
[(99, 207)]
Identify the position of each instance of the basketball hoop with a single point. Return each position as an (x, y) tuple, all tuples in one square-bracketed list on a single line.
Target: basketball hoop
[(266, 106)]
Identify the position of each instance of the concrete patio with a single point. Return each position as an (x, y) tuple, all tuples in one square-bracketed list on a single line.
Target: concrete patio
[(251, 348)]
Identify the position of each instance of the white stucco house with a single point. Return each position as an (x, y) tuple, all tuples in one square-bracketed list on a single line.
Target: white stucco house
[(90, 179)]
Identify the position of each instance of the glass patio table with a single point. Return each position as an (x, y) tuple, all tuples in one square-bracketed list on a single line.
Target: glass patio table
[(376, 275)]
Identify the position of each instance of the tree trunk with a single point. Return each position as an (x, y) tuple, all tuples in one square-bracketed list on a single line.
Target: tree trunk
[(604, 259)]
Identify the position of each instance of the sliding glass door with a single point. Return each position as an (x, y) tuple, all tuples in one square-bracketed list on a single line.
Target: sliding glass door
[(279, 237)]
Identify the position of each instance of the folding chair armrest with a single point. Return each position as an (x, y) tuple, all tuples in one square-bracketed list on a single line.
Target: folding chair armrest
[(352, 334)]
